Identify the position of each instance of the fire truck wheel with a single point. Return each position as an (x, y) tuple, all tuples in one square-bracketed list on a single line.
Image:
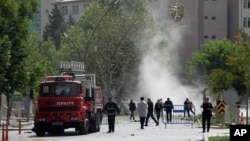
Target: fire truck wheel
[(84, 127), (40, 132)]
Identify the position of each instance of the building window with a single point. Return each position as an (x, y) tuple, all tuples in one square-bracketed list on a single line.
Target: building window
[(213, 18), (245, 22), (47, 11), (85, 5), (248, 22), (206, 17), (213, 37), (75, 9), (65, 10), (205, 36), (248, 4), (245, 4)]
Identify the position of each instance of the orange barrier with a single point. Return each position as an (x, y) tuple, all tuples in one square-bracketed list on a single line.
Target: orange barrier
[(3, 131), (5, 134)]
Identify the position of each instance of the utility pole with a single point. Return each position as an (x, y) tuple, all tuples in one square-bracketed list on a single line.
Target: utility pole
[(89, 41)]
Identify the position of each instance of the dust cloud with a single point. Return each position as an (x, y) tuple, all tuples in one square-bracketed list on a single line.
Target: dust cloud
[(157, 72)]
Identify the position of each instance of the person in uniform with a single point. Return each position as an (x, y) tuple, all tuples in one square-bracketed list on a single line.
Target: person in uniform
[(206, 114), (111, 109)]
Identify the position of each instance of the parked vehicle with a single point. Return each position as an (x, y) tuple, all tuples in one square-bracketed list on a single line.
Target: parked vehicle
[(69, 100)]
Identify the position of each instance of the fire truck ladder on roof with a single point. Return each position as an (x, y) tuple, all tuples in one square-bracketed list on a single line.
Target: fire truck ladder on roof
[(76, 69), (72, 67)]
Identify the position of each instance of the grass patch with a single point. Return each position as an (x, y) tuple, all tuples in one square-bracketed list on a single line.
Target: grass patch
[(218, 138), (215, 121)]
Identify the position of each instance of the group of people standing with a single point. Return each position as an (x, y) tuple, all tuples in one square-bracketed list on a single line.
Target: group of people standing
[(146, 110)]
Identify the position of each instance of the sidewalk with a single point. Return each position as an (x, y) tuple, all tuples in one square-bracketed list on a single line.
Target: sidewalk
[(216, 131), (14, 125)]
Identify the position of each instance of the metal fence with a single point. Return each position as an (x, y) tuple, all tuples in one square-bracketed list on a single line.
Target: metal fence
[(179, 116)]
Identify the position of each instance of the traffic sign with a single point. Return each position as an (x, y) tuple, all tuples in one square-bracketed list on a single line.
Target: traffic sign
[(220, 108)]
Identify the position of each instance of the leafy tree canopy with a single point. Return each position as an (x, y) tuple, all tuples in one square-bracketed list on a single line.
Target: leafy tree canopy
[(15, 17), (223, 64), (106, 37)]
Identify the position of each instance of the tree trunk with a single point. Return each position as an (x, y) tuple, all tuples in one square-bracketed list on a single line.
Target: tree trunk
[(0, 106), (9, 106)]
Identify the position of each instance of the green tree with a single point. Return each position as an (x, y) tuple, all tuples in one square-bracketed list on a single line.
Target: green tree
[(105, 36), (15, 17), (55, 27), (239, 63), (223, 64), (37, 64)]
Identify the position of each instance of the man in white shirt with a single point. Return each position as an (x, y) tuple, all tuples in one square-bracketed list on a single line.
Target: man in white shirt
[(142, 111)]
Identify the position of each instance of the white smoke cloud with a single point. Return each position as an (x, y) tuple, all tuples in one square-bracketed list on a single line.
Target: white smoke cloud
[(158, 80)]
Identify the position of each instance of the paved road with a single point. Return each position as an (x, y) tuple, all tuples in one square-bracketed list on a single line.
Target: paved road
[(126, 130)]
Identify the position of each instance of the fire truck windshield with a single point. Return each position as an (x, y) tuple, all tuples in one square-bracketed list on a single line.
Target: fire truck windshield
[(58, 89)]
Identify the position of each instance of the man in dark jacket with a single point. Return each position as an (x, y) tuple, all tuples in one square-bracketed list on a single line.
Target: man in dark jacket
[(111, 109), (206, 113), (168, 107), (151, 112), (132, 108), (158, 109)]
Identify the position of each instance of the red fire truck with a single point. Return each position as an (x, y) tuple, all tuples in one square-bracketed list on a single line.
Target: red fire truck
[(70, 100)]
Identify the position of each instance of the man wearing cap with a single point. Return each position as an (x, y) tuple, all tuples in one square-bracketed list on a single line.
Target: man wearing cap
[(111, 109)]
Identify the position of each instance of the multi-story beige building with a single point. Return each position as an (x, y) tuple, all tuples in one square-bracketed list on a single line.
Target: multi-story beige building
[(67, 7), (205, 20), (239, 17), (72, 8)]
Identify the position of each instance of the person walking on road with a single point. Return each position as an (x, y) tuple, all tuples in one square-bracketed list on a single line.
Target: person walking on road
[(150, 112), (186, 109), (142, 111), (132, 108), (158, 109), (111, 109), (168, 107), (190, 107), (206, 114)]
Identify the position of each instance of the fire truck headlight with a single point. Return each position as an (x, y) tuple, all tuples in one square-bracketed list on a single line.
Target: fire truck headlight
[(41, 119), (73, 118)]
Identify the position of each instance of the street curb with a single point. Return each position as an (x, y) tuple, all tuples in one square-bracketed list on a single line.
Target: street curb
[(205, 137)]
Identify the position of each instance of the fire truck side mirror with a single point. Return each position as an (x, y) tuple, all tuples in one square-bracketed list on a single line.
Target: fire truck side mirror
[(88, 96)]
